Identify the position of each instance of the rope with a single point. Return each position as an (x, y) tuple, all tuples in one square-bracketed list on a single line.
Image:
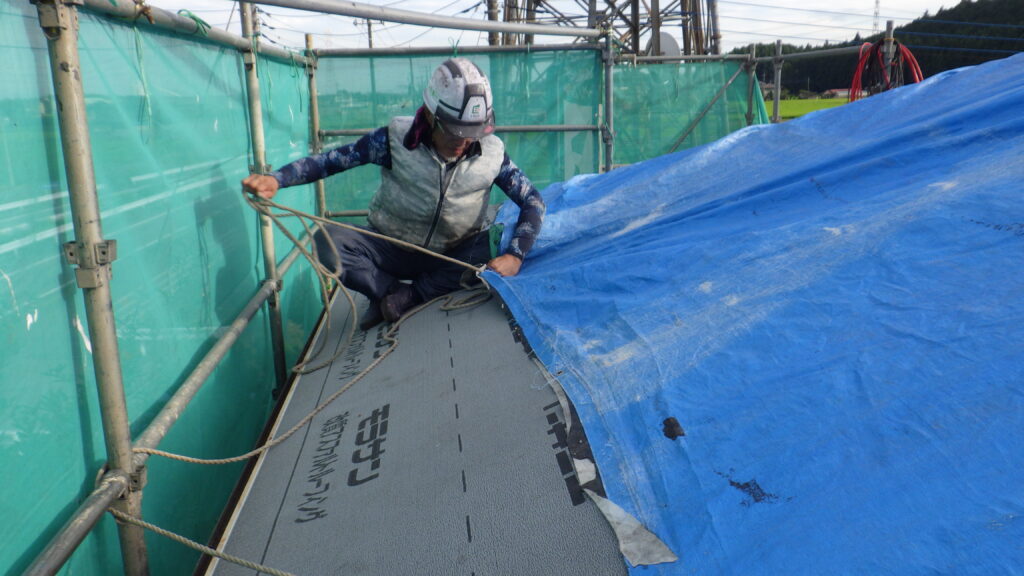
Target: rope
[(450, 303), (148, 110), (122, 517), (202, 28), (259, 203), (263, 206), (475, 297)]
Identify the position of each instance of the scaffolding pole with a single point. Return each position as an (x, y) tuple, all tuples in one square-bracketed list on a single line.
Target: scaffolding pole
[(92, 256), (140, 13), (447, 50), (609, 103), (111, 487), (683, 58), (314, 124), (811, 54), (890, 52), (358, 10), (259, 155), (777, 90), (751, 66)]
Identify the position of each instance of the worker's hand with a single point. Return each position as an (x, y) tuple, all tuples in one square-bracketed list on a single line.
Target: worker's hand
[(260, 184), (506, 265)]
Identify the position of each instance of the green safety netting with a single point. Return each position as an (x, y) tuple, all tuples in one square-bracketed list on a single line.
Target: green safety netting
[(529, 88), (169, 131), (655, 105)]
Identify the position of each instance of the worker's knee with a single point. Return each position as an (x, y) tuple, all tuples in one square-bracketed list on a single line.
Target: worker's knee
[(328, 249)]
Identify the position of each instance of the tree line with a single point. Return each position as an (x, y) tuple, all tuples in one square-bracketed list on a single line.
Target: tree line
[(969, 33)]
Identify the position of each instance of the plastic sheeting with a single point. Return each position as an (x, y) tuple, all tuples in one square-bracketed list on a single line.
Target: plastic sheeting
[(798, 350), (170, 142)]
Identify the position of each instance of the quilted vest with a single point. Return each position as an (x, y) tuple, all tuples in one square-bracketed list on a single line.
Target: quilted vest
[(421, 203)]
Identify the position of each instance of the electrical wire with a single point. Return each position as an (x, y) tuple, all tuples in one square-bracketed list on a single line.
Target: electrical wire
[(957, 49), (806, 10), (963, 36), (982, 24), (788, 23)]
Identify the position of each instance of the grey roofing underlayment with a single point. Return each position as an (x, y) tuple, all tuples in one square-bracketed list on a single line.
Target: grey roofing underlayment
[(450, 457)]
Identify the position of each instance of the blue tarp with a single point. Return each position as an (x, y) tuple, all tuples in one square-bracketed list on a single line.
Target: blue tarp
[(831, 309)]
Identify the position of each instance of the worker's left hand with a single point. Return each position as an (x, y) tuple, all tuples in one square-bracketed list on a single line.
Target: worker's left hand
[(506, 265)]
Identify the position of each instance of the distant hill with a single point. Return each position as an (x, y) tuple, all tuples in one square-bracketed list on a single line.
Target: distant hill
[(967, 34)]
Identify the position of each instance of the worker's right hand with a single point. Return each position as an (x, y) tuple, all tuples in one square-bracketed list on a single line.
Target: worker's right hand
[(262, 185)]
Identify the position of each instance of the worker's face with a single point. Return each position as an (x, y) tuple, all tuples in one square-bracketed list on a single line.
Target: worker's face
[(449, 145)]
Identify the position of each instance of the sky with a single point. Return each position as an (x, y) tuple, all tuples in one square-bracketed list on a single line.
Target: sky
[(742, 22)]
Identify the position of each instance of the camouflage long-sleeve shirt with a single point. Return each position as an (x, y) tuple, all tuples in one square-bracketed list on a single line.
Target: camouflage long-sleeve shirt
[(373, 149)]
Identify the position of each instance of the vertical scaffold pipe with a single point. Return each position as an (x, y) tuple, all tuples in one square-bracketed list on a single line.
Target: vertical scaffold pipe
[(93, 256), (777, 89), (655, 28), (609, 102), (716, 36), (889, 51), (314, 124), (259, 155), (751, 80)]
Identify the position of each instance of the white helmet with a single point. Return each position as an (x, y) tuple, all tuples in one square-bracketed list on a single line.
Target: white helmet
[(459, 97)]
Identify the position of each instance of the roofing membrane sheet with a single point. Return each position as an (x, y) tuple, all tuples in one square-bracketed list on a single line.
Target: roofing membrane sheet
[(450, 457)]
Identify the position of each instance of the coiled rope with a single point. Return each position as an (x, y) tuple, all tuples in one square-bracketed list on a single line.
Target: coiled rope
[(264, 206)]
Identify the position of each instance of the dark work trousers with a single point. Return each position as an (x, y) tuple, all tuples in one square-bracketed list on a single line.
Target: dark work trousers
[(372, 266)]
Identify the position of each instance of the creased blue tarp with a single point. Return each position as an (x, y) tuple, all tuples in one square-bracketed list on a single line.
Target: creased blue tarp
[(833, 311)]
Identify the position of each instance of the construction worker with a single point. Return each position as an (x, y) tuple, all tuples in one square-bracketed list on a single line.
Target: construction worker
[(437, 169)]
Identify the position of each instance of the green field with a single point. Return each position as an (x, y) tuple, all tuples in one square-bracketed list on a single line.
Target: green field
[(789, 109)]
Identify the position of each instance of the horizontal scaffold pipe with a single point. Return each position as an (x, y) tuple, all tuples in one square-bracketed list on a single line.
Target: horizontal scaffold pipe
[(184, 26), (109, 488), (371, 12), (447, 50), (524, 128), (171, 411), (688, 58), (813, 54)]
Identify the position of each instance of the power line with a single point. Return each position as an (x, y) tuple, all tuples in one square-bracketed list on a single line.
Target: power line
[(898, 31), (788, 23), (983, 24), (832, 12), (953, 49), (965, 36), (768, 35)]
